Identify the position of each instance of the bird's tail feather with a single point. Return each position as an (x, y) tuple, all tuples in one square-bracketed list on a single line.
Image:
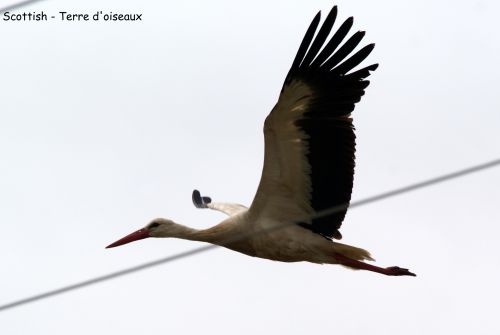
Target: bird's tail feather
[(353, 252)]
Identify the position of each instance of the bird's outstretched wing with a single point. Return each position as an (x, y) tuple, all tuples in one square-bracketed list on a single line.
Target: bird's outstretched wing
[(309, 136), (206, 202)]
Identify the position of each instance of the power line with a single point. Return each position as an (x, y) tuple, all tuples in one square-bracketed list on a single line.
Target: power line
[(185, 254), (106, 277), (17, 5)]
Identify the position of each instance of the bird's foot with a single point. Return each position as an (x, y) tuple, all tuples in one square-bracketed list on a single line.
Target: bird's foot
[(390, 271), (397, 271)]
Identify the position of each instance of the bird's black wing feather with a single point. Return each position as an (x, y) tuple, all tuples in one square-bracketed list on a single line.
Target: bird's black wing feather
[(327, 122)]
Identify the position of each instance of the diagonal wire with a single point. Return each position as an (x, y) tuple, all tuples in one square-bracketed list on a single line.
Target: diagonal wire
[(17, 5), (192, 252)]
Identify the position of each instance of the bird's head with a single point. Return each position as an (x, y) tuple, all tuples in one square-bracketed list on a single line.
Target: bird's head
[(156, 228)]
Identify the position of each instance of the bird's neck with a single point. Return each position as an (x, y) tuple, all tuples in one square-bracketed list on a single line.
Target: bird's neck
[(227, 234), (213, 235)]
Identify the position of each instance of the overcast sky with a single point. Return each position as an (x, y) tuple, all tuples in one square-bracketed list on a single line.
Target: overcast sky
[(106, 125)]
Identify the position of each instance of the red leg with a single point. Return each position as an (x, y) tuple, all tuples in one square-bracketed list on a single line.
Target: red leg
[(390, 271)]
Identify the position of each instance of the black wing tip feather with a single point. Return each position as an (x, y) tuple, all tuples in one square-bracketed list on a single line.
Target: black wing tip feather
[(199, 201), (306, 41), (349, 21), (362, 73)]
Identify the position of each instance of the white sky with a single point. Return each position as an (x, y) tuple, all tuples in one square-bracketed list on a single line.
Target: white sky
[(104, 126)]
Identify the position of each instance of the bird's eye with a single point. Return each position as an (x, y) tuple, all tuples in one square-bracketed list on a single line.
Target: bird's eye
[(153, 225)]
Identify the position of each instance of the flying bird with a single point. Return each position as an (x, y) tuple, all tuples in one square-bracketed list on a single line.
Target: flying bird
[(308, 163)]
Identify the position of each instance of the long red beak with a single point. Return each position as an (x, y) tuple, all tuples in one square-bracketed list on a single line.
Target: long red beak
[(135, 236)]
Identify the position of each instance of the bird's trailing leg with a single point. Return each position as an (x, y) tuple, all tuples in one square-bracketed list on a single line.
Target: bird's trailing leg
[(390, 271), (199, 201)]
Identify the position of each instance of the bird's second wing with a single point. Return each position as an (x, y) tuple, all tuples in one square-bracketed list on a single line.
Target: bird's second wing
[(224, 207), (309, 136)]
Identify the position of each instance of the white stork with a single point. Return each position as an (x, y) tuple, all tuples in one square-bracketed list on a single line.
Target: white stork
[(308, 163)]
